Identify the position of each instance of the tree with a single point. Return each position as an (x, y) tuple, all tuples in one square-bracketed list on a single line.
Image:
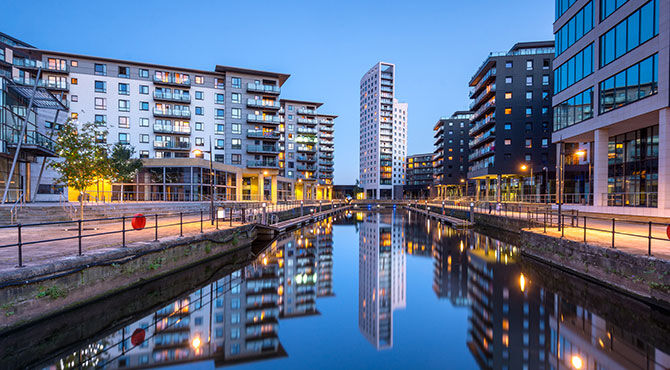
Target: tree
[(83, 158), (123, 167)]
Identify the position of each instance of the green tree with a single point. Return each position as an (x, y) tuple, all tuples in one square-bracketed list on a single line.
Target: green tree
[(123, 167), (83, 158)]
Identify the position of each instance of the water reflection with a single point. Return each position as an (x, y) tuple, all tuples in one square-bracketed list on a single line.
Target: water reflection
[(520, 313)]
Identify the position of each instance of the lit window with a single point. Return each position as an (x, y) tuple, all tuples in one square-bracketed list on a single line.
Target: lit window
[(508, 110), (508, 95)]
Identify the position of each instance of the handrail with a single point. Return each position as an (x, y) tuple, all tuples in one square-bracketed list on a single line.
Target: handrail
[(16, 207)]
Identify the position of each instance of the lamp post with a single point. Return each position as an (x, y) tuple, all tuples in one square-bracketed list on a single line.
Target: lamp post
[(198, 152), (523, 168), (546, 185)]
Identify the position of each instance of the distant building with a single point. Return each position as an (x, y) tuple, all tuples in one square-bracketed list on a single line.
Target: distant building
[(383, 134), (419, 170), (511, 124), (452, 139)]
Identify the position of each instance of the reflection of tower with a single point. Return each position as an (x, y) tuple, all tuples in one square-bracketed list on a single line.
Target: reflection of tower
[(451, 267), (381, 273), (325, 259), (509, 325), (300, 276)]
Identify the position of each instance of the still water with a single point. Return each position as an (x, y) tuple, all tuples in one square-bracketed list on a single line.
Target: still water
[(387, 290)]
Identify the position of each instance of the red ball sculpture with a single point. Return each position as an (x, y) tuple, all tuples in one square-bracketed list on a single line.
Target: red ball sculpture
[(139, 221)]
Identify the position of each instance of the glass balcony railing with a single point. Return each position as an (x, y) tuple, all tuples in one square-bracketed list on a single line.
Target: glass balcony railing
[(185, 98), (307, 121), (266, 104), (310, 112), (260, 134), (269, 89), (167, 112), (482, 138), (176, 145), (27, 63), (171, 129), (326, 149), (306, 148), (307, 131), (302, 167), (482, 123), (262, 149), (306, 158), (262, 164), (263, 118), (482, 81), (51, 85), (171, 80)]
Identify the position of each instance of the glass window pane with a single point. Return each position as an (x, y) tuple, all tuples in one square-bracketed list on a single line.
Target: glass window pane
[(646, 71), (647, 22), (621, 33), (588, 17), (588, 60), (633, 30)]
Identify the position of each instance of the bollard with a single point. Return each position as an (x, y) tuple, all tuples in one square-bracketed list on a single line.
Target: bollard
[(201, 221), (156, 227), (613, 222), (79, 235), (181, 224), (230, 213), (649, 246), (584, 229), (562, 225), (123, 230), (20, 245)]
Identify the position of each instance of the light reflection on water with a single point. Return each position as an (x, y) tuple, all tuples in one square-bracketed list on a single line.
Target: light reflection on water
[(416, 281)]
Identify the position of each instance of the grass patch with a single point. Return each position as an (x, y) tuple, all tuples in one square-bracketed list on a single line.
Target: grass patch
[(53, 292)]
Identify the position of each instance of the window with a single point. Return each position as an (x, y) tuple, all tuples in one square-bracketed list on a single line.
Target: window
[(545, 143), (100, 103), (144, 154), (508, 141), (124, 105), (529, 143), (220, 144), (545, 80), (124, 89), (220, 128), (529, 95), (144, 138), (144, 105), (143, 73), (198, 95), (634, 83), (236, 113), (144, 89), (100, 69), (508, 126), (529, 65), (529, 80), (633, 31), (199, 141), (562, 6), (124, 138), (290, 108), (508, 110), (100, 120), (236, 158), (220, 113), (574, 29), (219, 83), (144, 122), (508, 64), (508, 80), (529, 126), (607, 7), (100, 86), (124, 122), (74, 81), (198, 126), (221, 99), (236, 144), (574, 69), (529, 112), (545, 110), (198, 111), (236, 128), (508, 95), (199, 80), (219, 158), (74, 63), (235, 98), (236, 82), (124, 72)]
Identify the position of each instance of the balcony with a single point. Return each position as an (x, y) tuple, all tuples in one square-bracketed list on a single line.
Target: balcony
[(307, 121), (172, 113), (326, 163), (323, 135), (302, 176), (326, 149), (306, 148), (481, 124), (53, 68), (262, 164), (327, 128), (172, 81), (325, 175), (307, 131), (260, 134), (323, 155), (33, 142), (263, 119), (266, 89), (489, 105), (303, 167), (174, 145), (325, 121), (179, 98), (305, 111), (326, 169), (489, 135), (171, 129), (306, 158), (328, 142), (490, 90), (49, 85), (481, 152), (263, 104), (484, 80), (266, 149)]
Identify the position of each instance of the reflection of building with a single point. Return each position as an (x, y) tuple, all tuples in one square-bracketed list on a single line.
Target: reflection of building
[(451, 268), (509, 320), (418, 234), (381, 276)]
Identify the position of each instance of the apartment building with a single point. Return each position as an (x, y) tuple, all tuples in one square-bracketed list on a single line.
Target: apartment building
[(450, 158), (419, 172), (307, 148), (230, 115), (511, 124), (383, 134), (612, 105)]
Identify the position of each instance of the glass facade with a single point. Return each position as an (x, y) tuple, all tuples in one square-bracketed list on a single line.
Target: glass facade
[(607, 7), (634, 83), (574, 110), (630, 33), (562, 6), (574, 70), (575, 28), (633, 168)]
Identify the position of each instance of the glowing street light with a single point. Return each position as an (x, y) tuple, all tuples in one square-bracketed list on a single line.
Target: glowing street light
[(522, 282), (195, 343), (577, 362)]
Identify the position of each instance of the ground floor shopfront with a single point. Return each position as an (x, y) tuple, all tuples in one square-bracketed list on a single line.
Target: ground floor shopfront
[(188, 179)]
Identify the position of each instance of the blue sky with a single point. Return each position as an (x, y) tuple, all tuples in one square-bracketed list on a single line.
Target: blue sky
[(326, 46)]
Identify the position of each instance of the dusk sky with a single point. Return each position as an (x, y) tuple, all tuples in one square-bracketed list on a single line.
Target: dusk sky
[(325, 46)]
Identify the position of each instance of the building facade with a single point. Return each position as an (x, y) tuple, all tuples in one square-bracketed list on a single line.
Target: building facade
[(452, 139), (383, 134), (419, 173), (612, 105), (233, 116), (511, 124)]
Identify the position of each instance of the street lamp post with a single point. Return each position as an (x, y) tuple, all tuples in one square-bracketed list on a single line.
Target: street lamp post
[(523, 168), (211, 179)]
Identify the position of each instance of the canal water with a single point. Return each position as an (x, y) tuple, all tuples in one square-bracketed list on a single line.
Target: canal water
[(388, 290)]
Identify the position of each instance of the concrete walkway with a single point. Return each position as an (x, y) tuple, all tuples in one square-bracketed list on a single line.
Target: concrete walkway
[(631, 237)]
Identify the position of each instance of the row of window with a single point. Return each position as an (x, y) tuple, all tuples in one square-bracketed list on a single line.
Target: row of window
[(607, 7), (124, 89), (575, 28), (100, 69), (574, 70), (632, 84), (574, 110), (562, 6), (630, 33)]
